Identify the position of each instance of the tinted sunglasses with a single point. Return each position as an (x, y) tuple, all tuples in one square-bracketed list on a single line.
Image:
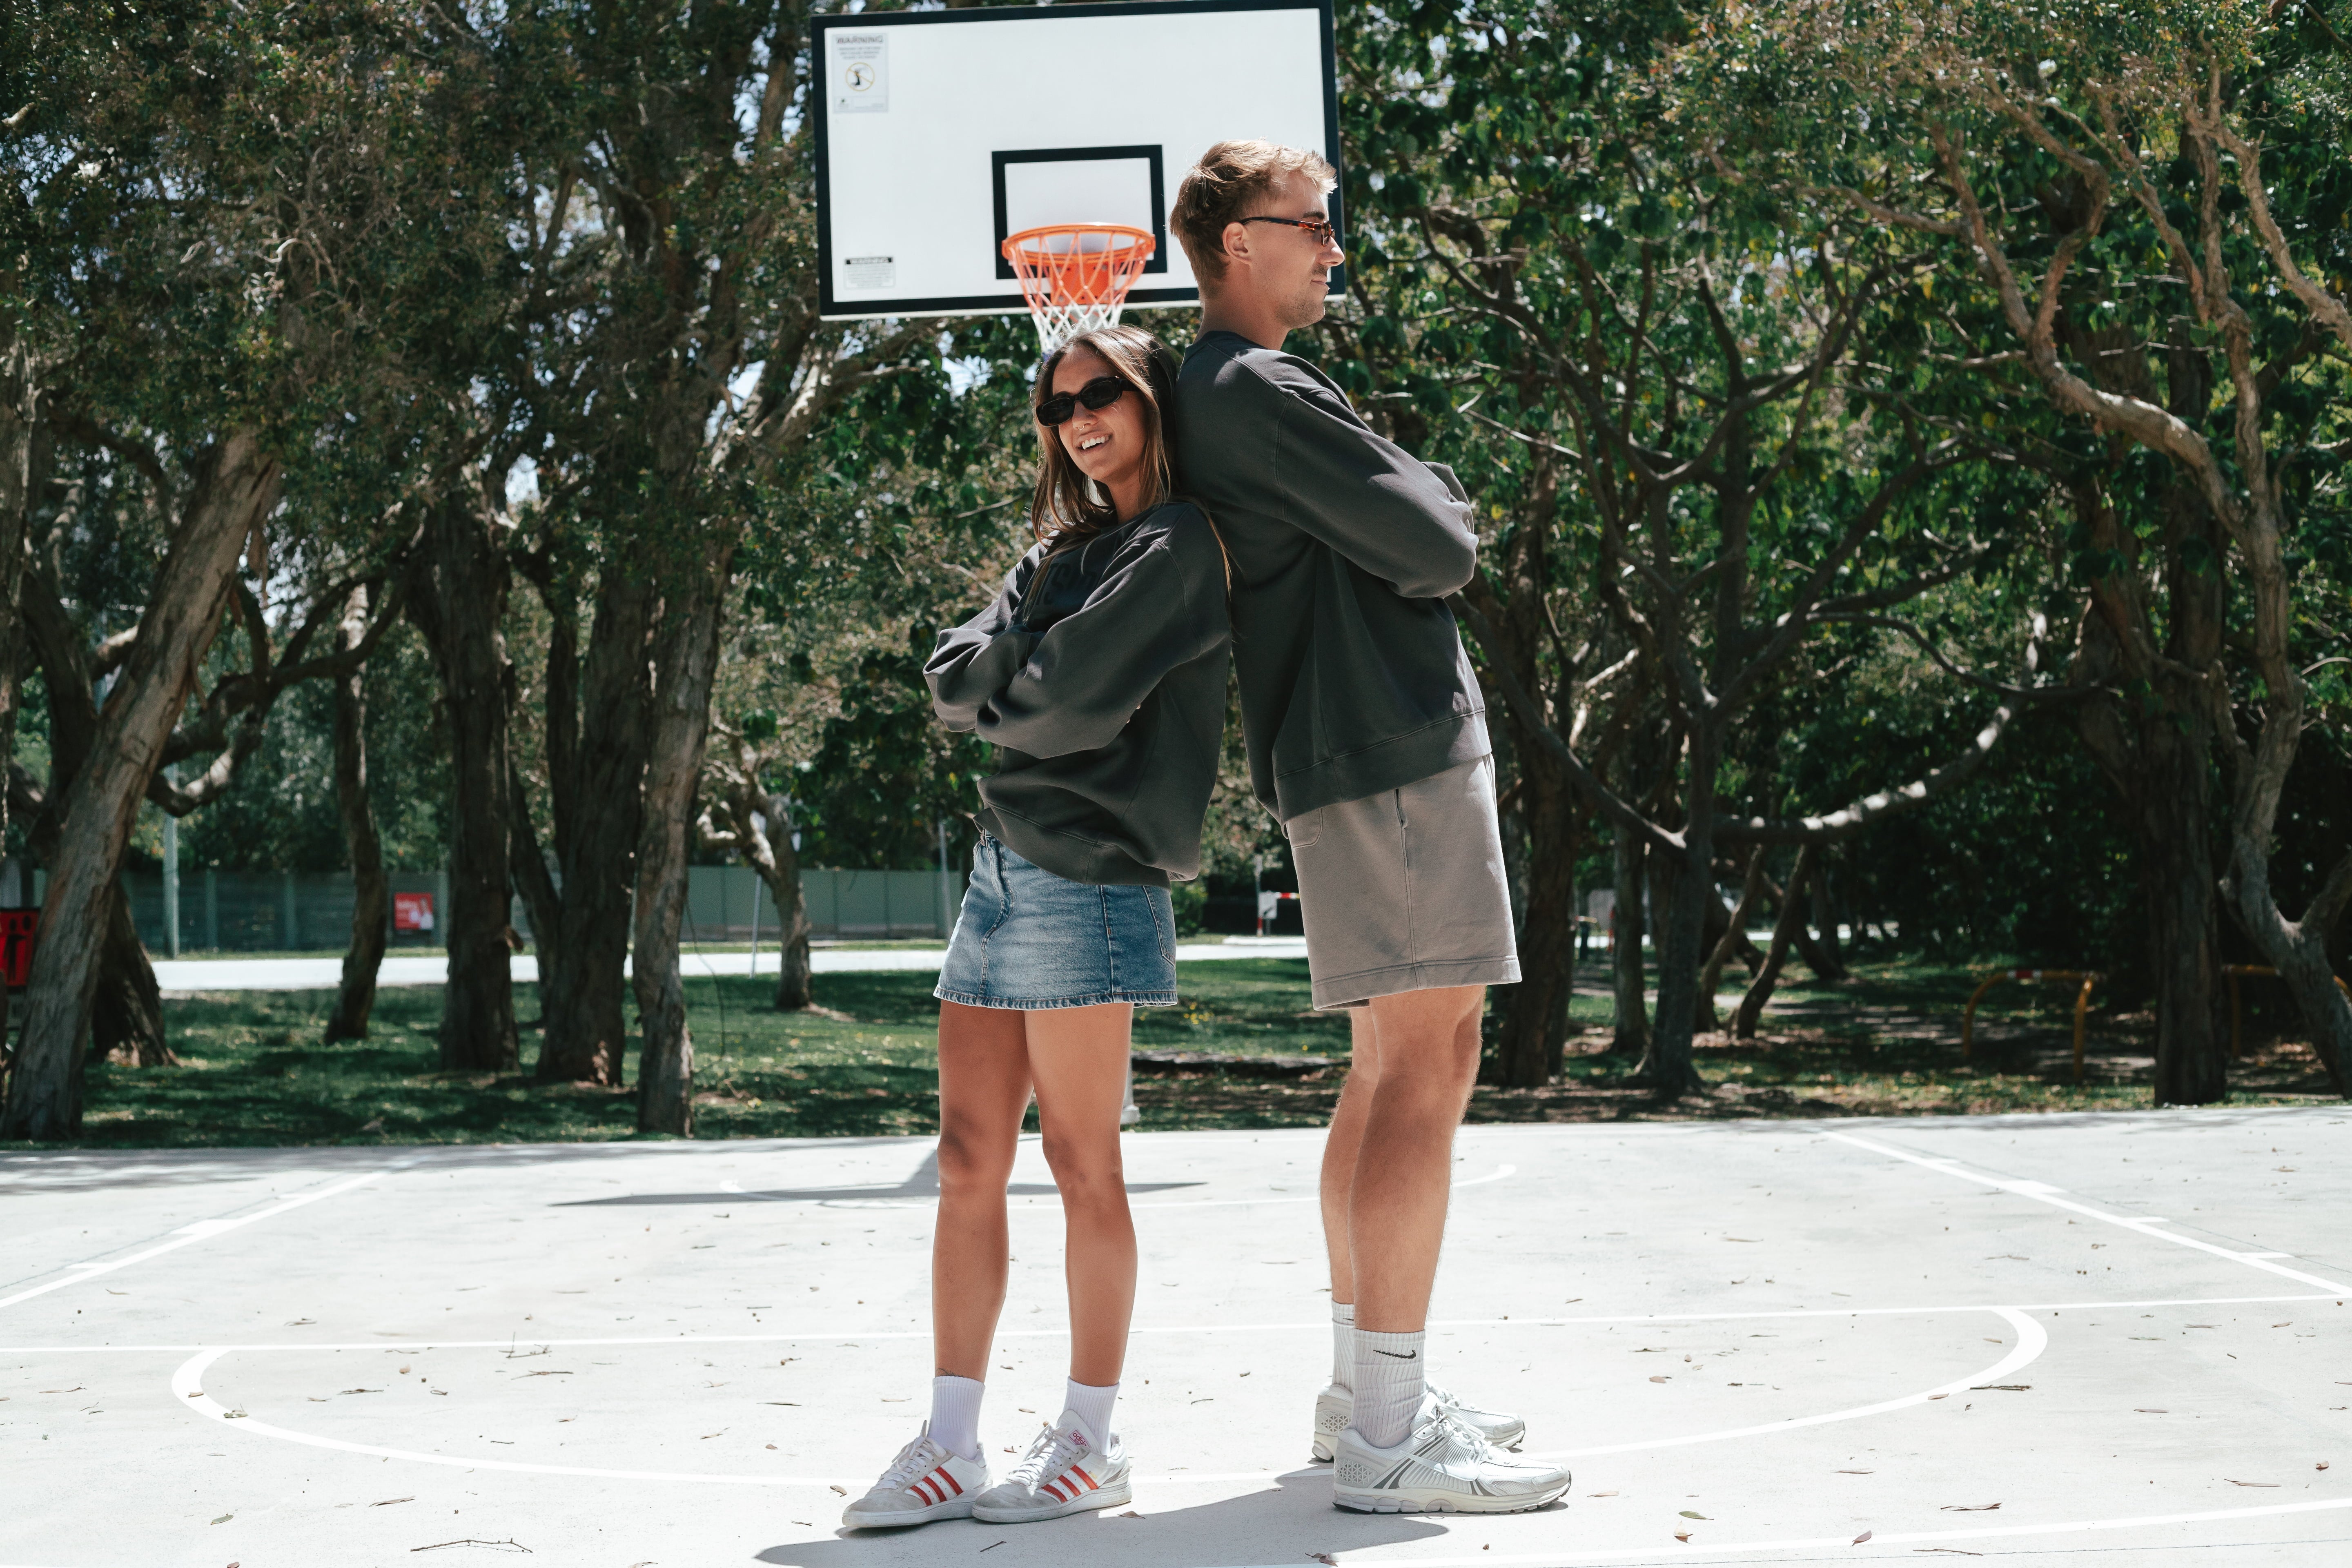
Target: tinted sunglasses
[(1101, 392), (1320, 230)]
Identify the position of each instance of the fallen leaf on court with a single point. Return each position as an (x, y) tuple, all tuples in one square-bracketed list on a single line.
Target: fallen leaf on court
[(291, 1322), (75, 1389), (1939, 1396), (2321, 1466), (1682, 1535), (1857, 1472), (1324, 1557), (1688, 1514), (845, 1491), (2144, 1410), (2288, 1325), (2250, 1483), (771, 1445), (1659, 1378), (2000, 1387), (224, 1519), (1863, 1537), (361, 1391), (1971, 1507), (1600, 1494), (234, 1415), (390, 1501), (1130, 1513)]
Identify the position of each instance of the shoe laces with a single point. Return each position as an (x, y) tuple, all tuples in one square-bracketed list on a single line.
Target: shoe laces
[(1468, 1435), (914, 1461), (1048, 1452)]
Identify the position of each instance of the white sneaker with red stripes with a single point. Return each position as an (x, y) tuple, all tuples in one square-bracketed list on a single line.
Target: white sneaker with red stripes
[(1064, 1471), (923, 1483)]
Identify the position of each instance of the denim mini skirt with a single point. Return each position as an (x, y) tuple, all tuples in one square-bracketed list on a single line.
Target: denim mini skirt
[(1028, 940)]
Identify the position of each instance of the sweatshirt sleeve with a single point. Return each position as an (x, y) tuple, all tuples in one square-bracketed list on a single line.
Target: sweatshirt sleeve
[(1074, 688), (1393, 515), (972, 662)]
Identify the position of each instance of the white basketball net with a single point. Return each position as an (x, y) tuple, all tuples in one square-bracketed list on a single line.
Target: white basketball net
[(1075, 276)]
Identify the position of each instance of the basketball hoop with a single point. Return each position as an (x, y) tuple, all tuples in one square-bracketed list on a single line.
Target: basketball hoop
[(1075, 276)]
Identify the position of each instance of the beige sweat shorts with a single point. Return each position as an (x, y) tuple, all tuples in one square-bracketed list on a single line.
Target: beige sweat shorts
[(1404, 891)]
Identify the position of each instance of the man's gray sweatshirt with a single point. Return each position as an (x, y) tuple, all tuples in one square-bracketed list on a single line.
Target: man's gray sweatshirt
[(1353, 678), (1101, 679)]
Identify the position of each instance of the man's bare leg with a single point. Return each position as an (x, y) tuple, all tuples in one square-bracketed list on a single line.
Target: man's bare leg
[(1428, 1044), (1340, 1147)]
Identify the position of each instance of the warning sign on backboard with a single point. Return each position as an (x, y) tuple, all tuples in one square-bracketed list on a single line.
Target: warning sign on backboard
[(861, 72)]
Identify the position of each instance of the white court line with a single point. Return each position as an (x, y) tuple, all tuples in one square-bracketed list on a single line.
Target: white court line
[(861, 1336), (1842, 1542), (187, 1384), (2043, 1193), (2032, 1339), (201, 1230)]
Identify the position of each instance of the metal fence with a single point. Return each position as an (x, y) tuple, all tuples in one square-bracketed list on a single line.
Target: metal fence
[(311, 911)]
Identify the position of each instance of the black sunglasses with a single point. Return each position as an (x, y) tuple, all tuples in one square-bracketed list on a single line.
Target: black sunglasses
[(1321, 230), (1101, 392)]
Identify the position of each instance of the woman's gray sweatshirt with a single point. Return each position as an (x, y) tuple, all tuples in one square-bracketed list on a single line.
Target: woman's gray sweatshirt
[(1100, 676)]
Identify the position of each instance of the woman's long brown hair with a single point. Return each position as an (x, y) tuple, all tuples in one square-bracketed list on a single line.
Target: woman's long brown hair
[(1064, 512)]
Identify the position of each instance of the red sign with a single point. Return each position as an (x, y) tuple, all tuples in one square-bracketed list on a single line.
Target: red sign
[(17, 929), (412, 911)]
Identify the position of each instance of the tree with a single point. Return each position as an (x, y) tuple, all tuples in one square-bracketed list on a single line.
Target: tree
[(2080, 160), (1695, 364)]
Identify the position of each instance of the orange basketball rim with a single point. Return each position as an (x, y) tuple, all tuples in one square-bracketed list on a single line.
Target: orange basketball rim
[(1075, 276)]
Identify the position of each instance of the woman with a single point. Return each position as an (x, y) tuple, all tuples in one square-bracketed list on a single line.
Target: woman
[(1099, 674)]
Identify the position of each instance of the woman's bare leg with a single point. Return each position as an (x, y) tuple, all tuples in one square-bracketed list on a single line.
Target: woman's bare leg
[(1077, 1059), (984, 1091)]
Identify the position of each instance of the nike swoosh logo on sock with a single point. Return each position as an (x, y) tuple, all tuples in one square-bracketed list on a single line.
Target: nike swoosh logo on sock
[(1409, 1355)]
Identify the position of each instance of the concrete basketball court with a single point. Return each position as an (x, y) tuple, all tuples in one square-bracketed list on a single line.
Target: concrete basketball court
[(2115, 1339)]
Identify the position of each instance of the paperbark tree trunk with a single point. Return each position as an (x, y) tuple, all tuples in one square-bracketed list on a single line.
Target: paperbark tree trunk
[(1784, 932), (236, 487), (459, 606), (782, 875), (1632, 1031), (596, 763), (1733, 939), (1667, 1068), (1534, 1021), (371, 890), (686, 662), (127, 1010), (19, 425)]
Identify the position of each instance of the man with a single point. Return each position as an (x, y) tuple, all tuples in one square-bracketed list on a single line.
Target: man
[(1367, 739)]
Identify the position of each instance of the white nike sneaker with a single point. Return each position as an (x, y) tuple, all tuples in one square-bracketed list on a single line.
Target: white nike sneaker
[(1064, 1471), (923, 1483), (1441, 1465), (1335, 1408)]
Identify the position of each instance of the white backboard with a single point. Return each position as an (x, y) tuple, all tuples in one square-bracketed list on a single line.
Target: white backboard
[(939, 132)]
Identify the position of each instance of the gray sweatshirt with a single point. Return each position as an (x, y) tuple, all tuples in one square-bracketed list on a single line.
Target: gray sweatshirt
[(1353, 678), (1103, 685)]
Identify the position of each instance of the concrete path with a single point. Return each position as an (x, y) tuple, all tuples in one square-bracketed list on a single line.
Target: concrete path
[(2112, 1339), (187, 975)]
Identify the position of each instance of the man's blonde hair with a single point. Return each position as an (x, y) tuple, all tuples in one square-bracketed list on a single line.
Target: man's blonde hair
[(1231, 178)]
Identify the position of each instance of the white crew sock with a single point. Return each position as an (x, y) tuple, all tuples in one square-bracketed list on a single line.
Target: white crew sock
[(1343, 1344), (1389, 1384), (1092, 1406), (955, 1415)]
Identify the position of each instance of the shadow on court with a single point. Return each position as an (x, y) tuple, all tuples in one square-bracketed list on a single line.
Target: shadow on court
[(1295, 1522)]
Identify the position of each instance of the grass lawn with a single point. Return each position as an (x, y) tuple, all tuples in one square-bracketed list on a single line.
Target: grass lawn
[(1886, 1042)]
